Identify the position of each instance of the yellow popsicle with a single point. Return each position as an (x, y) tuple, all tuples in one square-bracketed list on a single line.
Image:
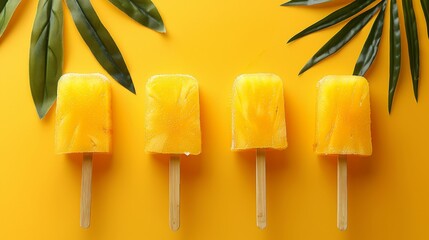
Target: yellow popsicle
[(258, 115), (83, 125), (83, 114), (173, 127), (343, 127), (173, 115), (258, 122), (343, 124)]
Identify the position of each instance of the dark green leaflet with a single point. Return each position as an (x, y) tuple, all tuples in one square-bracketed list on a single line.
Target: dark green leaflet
[(370, 48), (7, 8), (46, 54), (143, 11), (425, 7), (334, 18), (395, 51), (413, 43), (100, 42), (304, 2), (342, 37)]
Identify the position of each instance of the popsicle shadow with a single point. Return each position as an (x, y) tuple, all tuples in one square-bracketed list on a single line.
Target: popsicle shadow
[(248, 158), (278, 161), (328, 164)]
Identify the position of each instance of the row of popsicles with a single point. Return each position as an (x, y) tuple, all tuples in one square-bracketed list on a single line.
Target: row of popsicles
[(83, 125)]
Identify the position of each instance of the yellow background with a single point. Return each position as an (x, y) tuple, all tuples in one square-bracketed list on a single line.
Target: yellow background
[(214, 41)]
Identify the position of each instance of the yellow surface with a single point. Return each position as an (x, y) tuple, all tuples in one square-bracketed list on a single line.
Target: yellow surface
[(215, 42), (83, 114), (173, 115), (258, 115), (343, 116)]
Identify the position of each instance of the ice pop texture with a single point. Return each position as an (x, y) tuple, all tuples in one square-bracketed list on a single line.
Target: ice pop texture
[(258, 115), (173, 115), (83, 114), (343, 124)]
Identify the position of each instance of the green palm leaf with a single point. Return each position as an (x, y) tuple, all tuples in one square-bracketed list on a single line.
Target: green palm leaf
[(334, 18), (46, 54), (101, 44), (370, 48), (46, 47), (304, 2), (7, 8), (143, 11), (342, 37), (413, 43), (395, 52)]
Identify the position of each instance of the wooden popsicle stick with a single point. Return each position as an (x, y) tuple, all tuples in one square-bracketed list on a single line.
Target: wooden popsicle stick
[(174, 192), (342, 192), (85, 200), (261, 203)]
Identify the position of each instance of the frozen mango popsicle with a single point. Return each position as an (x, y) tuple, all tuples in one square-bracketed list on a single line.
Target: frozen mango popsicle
[(83, 125), (258, 122), (343, 127), (173, 126), (258, 115), (173, 115)]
